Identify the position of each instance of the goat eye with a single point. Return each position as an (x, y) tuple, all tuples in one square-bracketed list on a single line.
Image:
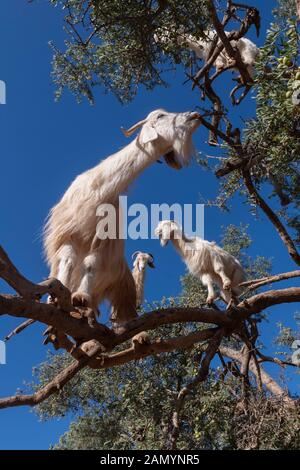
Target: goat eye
[(160, 116)]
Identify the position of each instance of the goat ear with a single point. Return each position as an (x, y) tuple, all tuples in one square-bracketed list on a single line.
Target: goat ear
[(148, 134)]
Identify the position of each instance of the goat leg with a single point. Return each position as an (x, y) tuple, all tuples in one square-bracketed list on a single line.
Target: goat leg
[(238, 101), (58, 339), (139, 340)]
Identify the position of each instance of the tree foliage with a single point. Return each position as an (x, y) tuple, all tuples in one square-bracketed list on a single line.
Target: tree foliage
[(111, 43), (273, 137), (271, 140), (130, 407)]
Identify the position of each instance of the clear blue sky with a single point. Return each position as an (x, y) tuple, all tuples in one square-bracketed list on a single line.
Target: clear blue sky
[(44, 145)]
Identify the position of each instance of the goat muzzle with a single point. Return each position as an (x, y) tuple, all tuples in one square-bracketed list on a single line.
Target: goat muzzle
[(194, 116)]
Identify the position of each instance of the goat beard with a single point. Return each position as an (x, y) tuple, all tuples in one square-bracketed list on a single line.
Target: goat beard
[(182, 151), (164, 242)]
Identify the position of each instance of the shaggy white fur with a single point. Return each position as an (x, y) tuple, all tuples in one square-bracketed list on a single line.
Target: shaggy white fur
[(247, 49), (141, 261), (205, 260)]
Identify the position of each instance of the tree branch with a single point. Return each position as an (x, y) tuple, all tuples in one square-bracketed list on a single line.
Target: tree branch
[(93, 341), (260, 302), (86, 355), (19, 329), (29, 290), (256, 283), (210, 352), (243, 161), (71, 323), (285, 237), (144, 350), (266, 379), (232, 53), (52, 387)]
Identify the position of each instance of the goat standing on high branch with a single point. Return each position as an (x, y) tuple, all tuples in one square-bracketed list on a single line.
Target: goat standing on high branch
[(249, 52), (141, 261)]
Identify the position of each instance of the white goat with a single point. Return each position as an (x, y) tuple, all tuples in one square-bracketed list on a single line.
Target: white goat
[(141, 261), (95, 269), (205, 260), (247, 49)]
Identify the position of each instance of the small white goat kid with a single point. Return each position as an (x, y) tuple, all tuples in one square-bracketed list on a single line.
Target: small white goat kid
[(95, 269), (141, 261), (247, 49), (205, 260)]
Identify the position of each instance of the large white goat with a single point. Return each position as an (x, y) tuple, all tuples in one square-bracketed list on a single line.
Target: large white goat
[(141, 261), (93, 268), (247, 49), (205, 260)]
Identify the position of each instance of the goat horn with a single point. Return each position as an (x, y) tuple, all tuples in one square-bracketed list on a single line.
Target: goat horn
[(132, 129), (150, 254), (134, 254)]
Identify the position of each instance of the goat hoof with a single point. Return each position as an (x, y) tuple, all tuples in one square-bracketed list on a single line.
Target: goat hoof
[(227, 285), (80, 299), (140, 339), (51, 300), (92, 317), (232, 303), (51, 337)]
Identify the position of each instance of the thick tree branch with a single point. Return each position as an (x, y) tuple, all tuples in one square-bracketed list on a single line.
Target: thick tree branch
[(260, 302), (169, 316), (144, 350), (29, 290), (266, 379), (86, 355), (19, 329), (242, 162), (78, 327), (83, 355), (210, 352), (72, 324), (93, 342)]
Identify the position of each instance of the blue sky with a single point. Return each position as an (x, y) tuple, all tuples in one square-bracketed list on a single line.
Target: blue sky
[(44, 145)]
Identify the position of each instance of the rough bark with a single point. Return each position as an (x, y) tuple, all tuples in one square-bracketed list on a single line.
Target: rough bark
[(91, 343)]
